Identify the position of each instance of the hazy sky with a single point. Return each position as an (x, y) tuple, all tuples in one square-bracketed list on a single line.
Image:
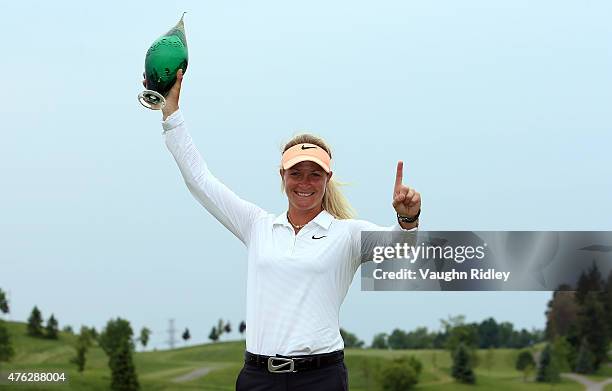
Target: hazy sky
[(499, 109)]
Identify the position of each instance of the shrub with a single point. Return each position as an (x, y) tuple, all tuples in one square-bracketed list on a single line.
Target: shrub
[(548, 371), (525, 363), (400, 374), (462, 365)]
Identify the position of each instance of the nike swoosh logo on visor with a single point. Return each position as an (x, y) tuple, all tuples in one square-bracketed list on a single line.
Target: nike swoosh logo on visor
[(305, 147)]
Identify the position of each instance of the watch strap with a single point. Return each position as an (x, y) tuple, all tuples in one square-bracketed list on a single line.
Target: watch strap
[(408, 219)]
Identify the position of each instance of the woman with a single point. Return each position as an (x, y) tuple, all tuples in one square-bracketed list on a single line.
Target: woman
[(300, 263)]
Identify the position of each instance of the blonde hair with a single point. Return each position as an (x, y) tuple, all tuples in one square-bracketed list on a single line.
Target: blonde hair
[(334, 201)]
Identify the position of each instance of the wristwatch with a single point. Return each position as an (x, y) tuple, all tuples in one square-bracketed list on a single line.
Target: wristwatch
[(407, 219)]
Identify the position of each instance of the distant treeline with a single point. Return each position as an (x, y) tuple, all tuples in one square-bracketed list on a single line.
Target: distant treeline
[(486, 334)]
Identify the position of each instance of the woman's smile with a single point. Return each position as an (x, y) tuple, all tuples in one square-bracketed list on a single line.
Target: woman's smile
[(302, 194)]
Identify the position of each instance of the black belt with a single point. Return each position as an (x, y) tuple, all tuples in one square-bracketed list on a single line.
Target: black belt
[(282, 364)]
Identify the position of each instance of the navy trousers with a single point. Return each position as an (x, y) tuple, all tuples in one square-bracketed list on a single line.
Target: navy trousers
[(330, 378)]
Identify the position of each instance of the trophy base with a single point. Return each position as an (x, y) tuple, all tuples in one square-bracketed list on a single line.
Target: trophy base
[(151, 100)]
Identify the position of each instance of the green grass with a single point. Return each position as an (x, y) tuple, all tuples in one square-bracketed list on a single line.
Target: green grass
[(605, 372), (498, 375), (156, 369)]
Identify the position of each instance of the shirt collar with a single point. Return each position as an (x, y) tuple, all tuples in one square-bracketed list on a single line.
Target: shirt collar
[(281, 219), (323, 219)]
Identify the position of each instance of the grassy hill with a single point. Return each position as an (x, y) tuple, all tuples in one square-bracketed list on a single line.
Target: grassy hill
[(156, 370)]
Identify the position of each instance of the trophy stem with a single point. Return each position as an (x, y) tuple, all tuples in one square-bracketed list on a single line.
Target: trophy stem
[(152, 100)]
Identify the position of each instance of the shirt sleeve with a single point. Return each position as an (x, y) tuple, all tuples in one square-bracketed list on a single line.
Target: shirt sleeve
[(365, 236), (236, 214)]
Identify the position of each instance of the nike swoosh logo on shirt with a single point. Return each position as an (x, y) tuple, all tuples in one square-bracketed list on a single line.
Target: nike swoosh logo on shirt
[(320, 237)]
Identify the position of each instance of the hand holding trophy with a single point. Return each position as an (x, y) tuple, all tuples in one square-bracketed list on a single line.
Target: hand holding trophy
[(164, 58)]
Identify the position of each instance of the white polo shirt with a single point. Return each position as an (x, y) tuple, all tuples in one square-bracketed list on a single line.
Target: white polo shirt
[(295, 282)]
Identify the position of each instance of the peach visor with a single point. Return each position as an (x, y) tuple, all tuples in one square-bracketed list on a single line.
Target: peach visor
[(306, 152)]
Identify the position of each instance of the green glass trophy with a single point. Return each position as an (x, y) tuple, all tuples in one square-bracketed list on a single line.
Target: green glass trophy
[(164, 58)]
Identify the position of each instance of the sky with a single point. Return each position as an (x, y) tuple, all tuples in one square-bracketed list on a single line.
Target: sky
[(499, 110)]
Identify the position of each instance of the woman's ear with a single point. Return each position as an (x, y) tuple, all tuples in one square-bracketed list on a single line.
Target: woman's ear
[(329, 176), (281, 172)]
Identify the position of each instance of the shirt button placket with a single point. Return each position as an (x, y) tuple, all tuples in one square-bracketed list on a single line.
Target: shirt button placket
[(295, 238)]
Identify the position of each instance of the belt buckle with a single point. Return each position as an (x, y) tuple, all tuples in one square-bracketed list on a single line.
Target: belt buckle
[(278, 368)]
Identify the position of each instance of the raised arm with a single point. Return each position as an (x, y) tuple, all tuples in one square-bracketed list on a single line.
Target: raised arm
[(172, 100), (234, 213), (407, 205), (406, 201)]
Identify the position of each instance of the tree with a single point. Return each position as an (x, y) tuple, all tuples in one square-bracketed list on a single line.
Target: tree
[(525, 363), (82, 345), (124, 376), (227, 328), (561, 314), (548, 371), (452, 321), (590, 281), (213, 336), (585, 363), (466, 334), (85, 336), (350, 339), (439, 340), (397, 339), (523, 338), (52, 329), (35, 320), (93, 332), (488, 333), (242, 327), (4, 305), (116, 341), (561, 350), (420, 338), (80, 358), (608, 302), (89, 333), (6, 348), (592, 325), (400, 374), (462, 365), (220, 328), (145, 333), (113, 335), (68, 329), (506, 332), (574, 340), (460, 333), (380, 341), (186, 335)]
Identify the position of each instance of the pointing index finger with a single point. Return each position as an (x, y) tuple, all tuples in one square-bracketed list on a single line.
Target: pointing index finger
[(399, 174)]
